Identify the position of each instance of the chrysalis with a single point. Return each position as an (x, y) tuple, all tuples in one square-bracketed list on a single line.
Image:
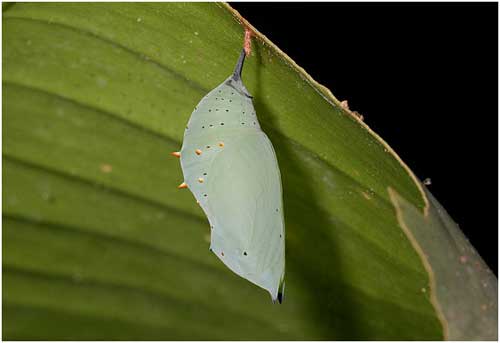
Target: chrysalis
[(230, 166)]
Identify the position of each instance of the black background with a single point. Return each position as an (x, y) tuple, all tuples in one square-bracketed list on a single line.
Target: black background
[(425, 78)]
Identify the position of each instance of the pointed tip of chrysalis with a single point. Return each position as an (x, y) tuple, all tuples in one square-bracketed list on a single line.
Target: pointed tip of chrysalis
[(247, 49), (281, 291), (182, 185), (239, 66), (235, 80), (176, 154), (280, 297)]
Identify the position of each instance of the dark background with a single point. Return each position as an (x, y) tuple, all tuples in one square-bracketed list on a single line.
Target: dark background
[(425, 78)]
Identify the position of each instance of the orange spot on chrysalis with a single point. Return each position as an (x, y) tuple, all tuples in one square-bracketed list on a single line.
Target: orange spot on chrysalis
[(221, 144), (200, 180), (176, 154), (247, 45), (183, 185), (198, 152)]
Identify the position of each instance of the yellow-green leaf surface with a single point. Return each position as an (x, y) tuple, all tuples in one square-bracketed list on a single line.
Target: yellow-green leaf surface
[(98, 243)]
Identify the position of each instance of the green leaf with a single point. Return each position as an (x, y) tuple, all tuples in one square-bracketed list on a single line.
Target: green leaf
[(98, 243)]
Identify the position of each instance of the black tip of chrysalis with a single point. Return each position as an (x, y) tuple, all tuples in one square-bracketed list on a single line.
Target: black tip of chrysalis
[(280, 297), (235, 80), (239, 66)]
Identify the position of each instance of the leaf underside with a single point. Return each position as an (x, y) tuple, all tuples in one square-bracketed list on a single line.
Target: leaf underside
[(464, 290)]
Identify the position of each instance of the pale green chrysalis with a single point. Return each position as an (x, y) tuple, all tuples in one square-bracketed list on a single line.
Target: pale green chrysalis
[(230, 166)]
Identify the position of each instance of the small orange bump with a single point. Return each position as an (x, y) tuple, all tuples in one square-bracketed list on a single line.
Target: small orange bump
[(198, 152), (200, 180), (221, 144), (183, 185), (176, 154)]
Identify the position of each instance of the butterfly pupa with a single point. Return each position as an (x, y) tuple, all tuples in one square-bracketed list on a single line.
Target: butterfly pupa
[(230, 166)]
